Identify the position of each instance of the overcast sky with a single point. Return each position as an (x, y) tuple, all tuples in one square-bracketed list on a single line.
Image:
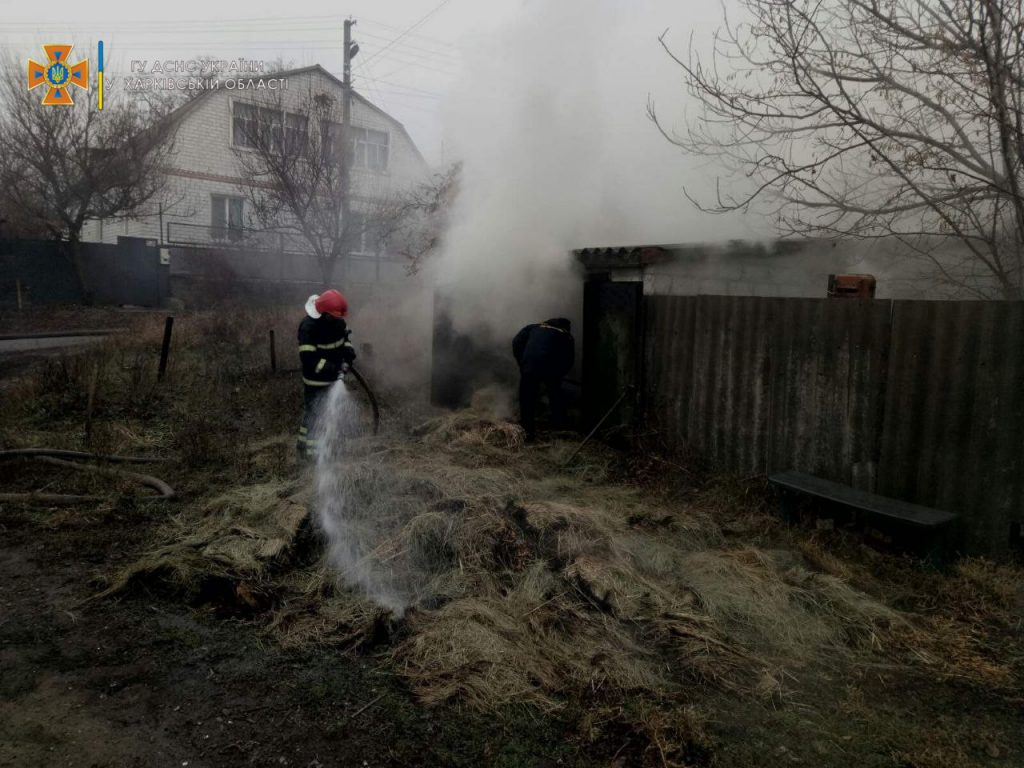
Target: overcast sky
[(412, 51), (544, 100), (408, 77)]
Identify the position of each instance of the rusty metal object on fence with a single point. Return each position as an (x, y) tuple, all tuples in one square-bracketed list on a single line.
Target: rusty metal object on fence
[(851, 286)]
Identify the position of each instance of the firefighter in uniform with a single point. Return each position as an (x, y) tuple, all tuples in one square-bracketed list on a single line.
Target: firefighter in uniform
[(544, 352), (324, 349)]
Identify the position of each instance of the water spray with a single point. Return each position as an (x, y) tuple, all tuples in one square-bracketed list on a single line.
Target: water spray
[(350, 528)]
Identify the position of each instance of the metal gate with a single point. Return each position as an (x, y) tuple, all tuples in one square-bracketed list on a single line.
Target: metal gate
[(612, 349)]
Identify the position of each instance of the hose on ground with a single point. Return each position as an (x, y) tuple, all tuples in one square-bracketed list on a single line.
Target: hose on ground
[(155, 483), (13, 453), (366, 388), (52, 499), (369, 395)]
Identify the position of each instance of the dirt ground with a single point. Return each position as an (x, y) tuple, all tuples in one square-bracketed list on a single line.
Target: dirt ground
[(147, 682), (148, 679)]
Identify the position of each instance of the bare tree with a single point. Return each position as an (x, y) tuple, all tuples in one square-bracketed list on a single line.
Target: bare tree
[(293, 159), (61, 166), (873, 118), (411, 224)]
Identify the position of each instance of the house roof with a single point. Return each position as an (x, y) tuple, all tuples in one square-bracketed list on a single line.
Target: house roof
[(180, 112), (621, 257)]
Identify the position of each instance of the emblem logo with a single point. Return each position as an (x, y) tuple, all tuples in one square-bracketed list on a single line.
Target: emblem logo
[(58, 75)]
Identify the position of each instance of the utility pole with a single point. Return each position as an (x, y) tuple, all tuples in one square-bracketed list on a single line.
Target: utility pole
[(346, 154)]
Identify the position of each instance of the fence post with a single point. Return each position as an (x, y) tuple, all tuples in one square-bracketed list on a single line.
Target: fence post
[(90, 401), (17, 285), (273, 353), (165, 349), (282, 294)]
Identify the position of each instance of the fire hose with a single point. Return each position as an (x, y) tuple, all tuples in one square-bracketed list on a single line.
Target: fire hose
[(350, 368), (50, 456)]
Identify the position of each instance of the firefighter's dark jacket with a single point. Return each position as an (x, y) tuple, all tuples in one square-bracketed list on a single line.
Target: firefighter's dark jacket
[(323, 347), (545, 349)]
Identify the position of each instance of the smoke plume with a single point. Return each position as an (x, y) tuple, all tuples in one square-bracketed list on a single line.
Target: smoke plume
[(550, 123)]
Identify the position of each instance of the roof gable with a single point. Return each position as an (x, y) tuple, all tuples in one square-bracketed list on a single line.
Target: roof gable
[(185, 109)]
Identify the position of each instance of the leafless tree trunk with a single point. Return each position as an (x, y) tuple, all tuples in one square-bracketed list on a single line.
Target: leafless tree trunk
[(872, 118), (62, 166), (293, 161), (412, 223)]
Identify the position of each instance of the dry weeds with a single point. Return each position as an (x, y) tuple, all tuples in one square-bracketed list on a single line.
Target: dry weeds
[(525, 584)]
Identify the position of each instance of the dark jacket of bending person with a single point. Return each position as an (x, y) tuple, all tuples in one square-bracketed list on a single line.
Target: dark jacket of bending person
[(545, 353)]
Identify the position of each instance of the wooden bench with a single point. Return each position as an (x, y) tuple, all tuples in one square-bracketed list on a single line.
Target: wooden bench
[(926, 530)]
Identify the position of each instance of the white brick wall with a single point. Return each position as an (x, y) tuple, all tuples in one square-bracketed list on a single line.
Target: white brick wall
[(204, 162)]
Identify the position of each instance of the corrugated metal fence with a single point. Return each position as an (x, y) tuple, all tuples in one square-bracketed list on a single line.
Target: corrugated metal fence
[(44, 273), (917, 400), (206, 276)]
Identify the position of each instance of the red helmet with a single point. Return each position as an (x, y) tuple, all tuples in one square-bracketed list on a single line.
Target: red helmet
[(331, 303)]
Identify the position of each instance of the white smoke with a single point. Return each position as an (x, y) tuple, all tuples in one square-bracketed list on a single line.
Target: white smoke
[(558, 153), (550, 124)]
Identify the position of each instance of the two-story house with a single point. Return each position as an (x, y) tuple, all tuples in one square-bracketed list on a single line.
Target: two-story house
[(206, 204)]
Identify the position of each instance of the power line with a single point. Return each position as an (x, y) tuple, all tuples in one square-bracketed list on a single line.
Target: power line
[(436, 40), (414, 91), (299, 23), (211, 47), (403, 53), (454, 57), (408, 55), (408, 31), (377, 94), (424, 64)]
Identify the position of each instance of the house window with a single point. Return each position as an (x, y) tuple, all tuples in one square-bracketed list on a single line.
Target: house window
[(226, 217), (296, 132), (365, 237), (256, 127), (244, 124), (273, 130), (370, 149)]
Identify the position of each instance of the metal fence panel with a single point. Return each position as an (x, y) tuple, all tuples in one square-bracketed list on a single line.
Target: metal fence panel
[(39, 270), (127, 273), (612, 349), (922, 401), (828, 364), (668, 363), (954, 414)]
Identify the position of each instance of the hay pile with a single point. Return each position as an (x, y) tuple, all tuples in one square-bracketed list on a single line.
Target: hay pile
[(238, 538), (521, 582)]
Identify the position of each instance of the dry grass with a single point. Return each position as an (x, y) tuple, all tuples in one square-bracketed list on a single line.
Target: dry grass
[(958, 626), (519, 582), (522, 581), (526, 584), (239, 537)]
